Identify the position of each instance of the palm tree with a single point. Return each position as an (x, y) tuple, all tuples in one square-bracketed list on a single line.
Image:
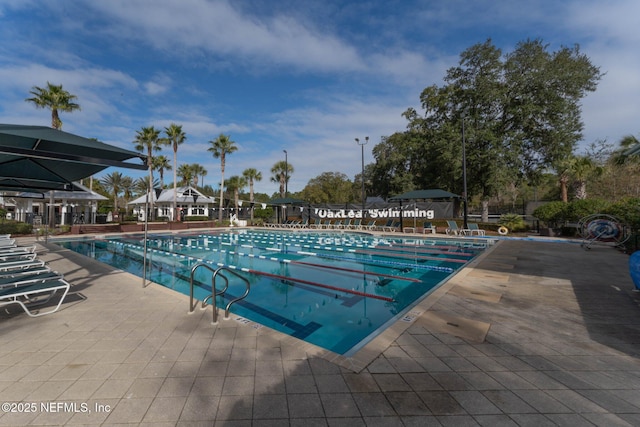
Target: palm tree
[(198, 171), (252, 175), (56, 99), (583, 169), (220, 147), (113, 184), (175, 137), (141, 185), (161, 163), (127, 185), (236, 184), (185, 172), (281, 173), (148, 139)]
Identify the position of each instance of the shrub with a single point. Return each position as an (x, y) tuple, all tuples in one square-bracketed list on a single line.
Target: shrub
[(263, 214), (196, 218), (513, 222), (627, 211), (552, 214), (15, 228), (578, 209)]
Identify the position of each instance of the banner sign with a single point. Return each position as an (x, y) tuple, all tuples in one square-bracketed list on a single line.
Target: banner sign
[(420, 210)]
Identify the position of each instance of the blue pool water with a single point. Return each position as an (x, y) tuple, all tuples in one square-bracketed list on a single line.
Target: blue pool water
[(337, 290)]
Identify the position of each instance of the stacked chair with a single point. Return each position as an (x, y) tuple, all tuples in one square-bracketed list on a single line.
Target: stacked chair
[(27, 281)]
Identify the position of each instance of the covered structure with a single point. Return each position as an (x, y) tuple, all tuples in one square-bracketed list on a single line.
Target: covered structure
[(283, 203), (79, 206), (427, 196), (190, 202), (41, 159)]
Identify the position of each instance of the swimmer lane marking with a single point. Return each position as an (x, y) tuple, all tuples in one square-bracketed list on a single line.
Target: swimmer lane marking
[(368, 262), (273, 276), (311, 264), (340, 249), (312, 240), (315, 235), (391, 248)]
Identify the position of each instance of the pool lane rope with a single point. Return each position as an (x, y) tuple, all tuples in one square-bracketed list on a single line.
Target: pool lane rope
[(261, 273), (354, 251), (310, 264), (285, 238), (391, 264)]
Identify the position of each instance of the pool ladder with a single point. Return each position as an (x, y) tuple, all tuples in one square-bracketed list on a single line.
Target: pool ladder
[(218, 272)]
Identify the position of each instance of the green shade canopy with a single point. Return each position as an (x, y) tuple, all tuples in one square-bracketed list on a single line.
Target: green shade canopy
[(286, 201), (41, 158), (425, 194)]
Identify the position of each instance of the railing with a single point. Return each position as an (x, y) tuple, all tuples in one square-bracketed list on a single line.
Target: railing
[(218, 272)]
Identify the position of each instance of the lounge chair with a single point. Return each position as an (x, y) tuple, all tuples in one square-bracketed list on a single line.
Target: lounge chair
[(301, 224), (388, 224), (33, 276), (29, 296), (428, 227), (317, 223), (337, 224), (371, 225), (455, 230), (6, 243), (17, 256), (17, 249), (395, 226), (20, 265), (17, 274), (474, 229)]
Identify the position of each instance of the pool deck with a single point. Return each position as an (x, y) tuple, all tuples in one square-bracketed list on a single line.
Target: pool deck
[(532, 333)]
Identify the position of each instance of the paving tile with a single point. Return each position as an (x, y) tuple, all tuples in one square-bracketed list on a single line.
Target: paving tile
[(301, 384), (407, 403), (391, 382), (305, 405), (373, 404), (508, 402), (271, 406), (165, 409), (129, 410), (155, 366)]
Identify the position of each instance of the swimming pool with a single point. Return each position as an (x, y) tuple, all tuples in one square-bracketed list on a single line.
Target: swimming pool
[(336, 290)]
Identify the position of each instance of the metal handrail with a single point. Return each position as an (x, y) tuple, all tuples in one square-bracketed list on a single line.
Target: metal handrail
[(214, 292)]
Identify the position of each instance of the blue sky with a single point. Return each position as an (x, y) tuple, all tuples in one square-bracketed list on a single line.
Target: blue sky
[(303, 76)]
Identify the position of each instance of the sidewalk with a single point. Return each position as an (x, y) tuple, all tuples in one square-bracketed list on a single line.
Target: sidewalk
[(533, 333)]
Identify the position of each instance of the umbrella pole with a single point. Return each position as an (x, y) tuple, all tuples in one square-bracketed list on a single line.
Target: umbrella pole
[(144, 250), (52, 218)]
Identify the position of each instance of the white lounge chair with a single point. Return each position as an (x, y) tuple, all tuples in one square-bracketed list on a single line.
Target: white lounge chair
[(34, 295), (33, 276), (17, 256), (17, 249), (20, 265), (455, 230), (474, 229), (428, 227)]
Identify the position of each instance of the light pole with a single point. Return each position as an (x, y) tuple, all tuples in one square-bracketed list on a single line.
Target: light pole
[(286, 174), (366, 139), (464, 178)]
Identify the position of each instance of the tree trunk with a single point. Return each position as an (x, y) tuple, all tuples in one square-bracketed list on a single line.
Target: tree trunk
[(563, 190), (251, 198), (485, 210), (175, 185)]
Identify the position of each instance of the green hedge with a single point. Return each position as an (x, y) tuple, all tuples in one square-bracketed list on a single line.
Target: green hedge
[(15, 228)]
